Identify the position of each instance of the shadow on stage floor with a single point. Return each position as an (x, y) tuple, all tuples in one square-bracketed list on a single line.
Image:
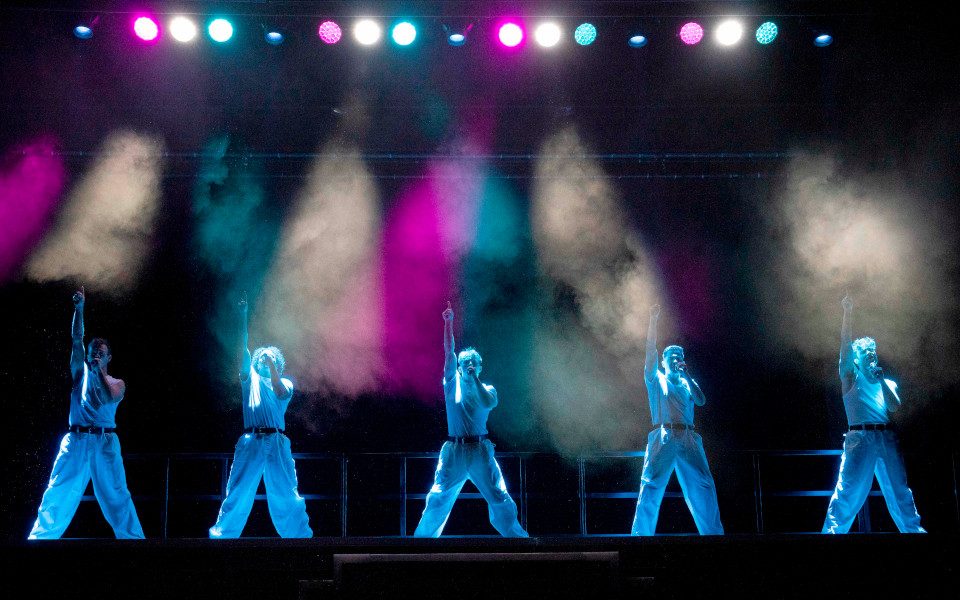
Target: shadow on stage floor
[(770, 566)]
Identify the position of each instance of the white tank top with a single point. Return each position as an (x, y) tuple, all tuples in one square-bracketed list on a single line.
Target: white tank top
[(864, 402)]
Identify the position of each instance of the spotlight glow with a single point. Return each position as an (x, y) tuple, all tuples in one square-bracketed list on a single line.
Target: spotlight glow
[(729, 33), (146, 29), (691, 33), (767, 32), (823, 40), (83, 32), (274, 38), (510, 35), (182, 29), (457, 39), (329, 32), (220, 30), (638, 41), (547, 34), (367, 32), (585, 34), (404, 33)]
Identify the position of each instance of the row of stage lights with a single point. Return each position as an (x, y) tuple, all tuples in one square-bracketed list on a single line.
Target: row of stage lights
[(369, 32)]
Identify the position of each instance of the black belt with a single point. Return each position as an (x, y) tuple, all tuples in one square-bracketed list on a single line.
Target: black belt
[(673, 426), (467, 439), (85, 429), (261, 430), (876, 426)]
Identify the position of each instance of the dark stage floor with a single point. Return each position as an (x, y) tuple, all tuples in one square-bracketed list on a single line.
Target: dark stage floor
[(771, 566)]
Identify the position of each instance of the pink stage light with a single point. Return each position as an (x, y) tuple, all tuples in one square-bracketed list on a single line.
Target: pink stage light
[(691, 33), (146, 29), (330, 32), (510, 35)]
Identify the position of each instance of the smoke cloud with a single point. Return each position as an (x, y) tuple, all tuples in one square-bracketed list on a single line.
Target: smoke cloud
[(234, 237), (867, 235), (587, 251), (321, 300), (31, 181), (106, 228)]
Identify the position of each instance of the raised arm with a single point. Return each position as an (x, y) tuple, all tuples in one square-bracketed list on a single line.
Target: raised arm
[(846, 343), (76, 330), (244, 339), (450, 357), (652, 356)]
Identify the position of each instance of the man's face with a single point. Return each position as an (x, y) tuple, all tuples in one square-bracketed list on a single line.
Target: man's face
[(672, 362), (867, 357), (99, 355), (261, 367), (471, 361)]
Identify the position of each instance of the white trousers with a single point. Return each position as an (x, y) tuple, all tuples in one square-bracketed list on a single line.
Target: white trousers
[(866, 453), (457, 463), (82, 457), (680, 449), (268, 456)]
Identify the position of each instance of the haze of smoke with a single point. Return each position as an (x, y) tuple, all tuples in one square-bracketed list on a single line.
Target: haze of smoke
[(106, 228), (233, 238), (31, 182), (585, 245), (868, 237), (321, 300)]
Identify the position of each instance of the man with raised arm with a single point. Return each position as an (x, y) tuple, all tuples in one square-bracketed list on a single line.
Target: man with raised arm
[(467, 453), (673, 444), (870, 446), (263, 450), (90, 449)]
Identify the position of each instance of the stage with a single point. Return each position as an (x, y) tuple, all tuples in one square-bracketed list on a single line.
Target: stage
[(774, 566)]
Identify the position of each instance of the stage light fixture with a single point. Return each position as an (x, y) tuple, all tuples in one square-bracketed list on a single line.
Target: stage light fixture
[(367, 32), (182, 29), (823, 40), (146, 29), (457, 34), (273, 37), (729, 32), (547, 34), (510, 35), (404, 33), (83, 32), (767, 32), (220, 30), (330, 32), (691, 33), (585, 34), (637, 41)]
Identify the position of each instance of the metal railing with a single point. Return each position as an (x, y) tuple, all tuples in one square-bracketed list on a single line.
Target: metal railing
[(522, 494)]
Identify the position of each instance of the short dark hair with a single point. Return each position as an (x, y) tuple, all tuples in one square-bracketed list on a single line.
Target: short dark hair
[(97, 342)]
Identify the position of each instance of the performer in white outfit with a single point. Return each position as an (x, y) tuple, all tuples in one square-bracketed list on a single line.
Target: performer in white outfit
[(263, 450), (90, 449), (674, 443), (870, 446), (467, 453)]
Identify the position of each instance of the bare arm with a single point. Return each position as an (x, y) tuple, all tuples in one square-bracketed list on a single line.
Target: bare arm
[(105, 390), (244, 339), (278, 388), (652, 356), (450, 357), (847, 370), (76, 332), (485, 397), (698, 397)]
